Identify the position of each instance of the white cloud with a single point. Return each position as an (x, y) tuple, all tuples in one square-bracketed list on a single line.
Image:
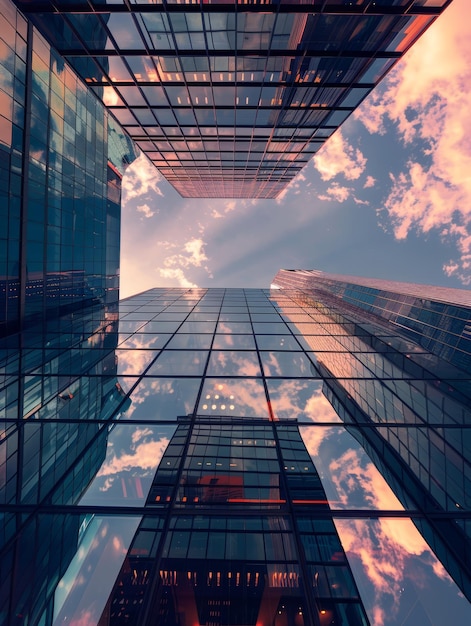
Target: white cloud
[(178, 276), (192, 254), (145, 456), (227, 207), (337, 157), (362, 202), (195, 248), (336, 192), (140, 179), (296, 185), (145, 210), (428, 98)]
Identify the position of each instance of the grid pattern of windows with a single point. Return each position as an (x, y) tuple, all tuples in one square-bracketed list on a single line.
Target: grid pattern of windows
[(62, 157), (436, 318), (232, 99), (237, 456)]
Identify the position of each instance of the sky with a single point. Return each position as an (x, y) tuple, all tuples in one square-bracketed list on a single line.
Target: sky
[(387, 196)]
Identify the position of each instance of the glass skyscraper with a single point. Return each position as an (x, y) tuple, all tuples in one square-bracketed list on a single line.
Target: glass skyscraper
[(234, 457), (231, 99), (290, 456)]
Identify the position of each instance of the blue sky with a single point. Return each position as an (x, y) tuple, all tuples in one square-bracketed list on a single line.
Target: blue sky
[(388, 196)]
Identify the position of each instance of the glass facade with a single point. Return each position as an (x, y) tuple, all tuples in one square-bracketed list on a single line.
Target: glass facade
[(212, 457), (233, 457), (231, 99), (62, 157)]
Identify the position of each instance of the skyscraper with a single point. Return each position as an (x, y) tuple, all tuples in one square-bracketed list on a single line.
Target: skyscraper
[(234, 457), (208, 456), (232, 99), (62, 157)]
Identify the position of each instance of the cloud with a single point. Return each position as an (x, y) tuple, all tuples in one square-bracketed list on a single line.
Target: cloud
[(145, 210), (296, 185), (227, 207), (336, 192), (195, 249), (191, 255), (140, 179), (140, 433), (338, 157), (428, 100), (132, 362), (386, 555), (370, 182), (362, 202), (145, 456), (178, 276)]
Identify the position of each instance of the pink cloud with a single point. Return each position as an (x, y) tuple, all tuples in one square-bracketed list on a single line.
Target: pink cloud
[(296, 185), (386, 555), (145, 456), (428, 97), (145, 210), (339, 157), (339, 193), (192, 254), (141, 178)]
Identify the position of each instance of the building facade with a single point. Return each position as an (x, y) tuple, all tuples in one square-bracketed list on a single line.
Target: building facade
[(213, 457), (231, 99), (234, 457), (62, 157)]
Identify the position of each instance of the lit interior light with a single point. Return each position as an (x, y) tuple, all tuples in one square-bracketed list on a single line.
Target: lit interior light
[(223, 406), (214, 406), (231, 407), (205, 406)]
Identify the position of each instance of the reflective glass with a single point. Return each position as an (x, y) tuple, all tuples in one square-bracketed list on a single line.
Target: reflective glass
[(235, 342), (288, 364), (239, 397), (300, 400), (231, 363)]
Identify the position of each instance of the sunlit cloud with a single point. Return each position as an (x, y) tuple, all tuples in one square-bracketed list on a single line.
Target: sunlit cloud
[(337, 156), (242, 397), (428, 99), (228, 363), (144, 456), (168, 245), (227, 206), (390, 555), (177, 276), (303, 401), (194, 248), (145, 210), (140, 179), (336, 193), (387, 554), (294, 185), (139, 434), (319, 409), (369, 182), (132, 362), (192, 254), (360, 202)]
